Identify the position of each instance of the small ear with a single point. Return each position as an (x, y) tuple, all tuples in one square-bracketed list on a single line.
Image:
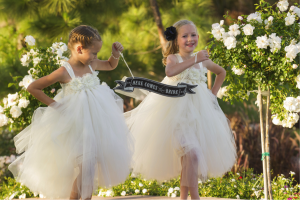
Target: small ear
[(79, 49)]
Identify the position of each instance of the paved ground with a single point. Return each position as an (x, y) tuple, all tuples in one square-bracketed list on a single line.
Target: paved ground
[(139, 197)]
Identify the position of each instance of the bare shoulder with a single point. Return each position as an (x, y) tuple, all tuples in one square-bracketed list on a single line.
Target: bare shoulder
[(61, 75), (172, 58), (95, 63)]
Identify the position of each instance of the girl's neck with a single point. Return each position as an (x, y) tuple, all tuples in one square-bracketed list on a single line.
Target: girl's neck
[(185, 55), (75, 62)]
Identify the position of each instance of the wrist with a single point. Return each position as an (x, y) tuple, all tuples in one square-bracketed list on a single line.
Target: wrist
[(115, 55)]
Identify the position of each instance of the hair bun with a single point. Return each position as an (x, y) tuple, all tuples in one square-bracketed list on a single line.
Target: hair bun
[(170, 33)]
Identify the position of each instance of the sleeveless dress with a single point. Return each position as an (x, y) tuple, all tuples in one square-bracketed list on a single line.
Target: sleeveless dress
[(188, 135), (82, 137)]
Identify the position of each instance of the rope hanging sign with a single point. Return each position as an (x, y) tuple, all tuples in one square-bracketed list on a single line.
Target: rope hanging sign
[(153, 86)]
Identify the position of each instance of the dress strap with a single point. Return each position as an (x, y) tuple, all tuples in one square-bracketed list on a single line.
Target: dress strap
[(179, 58), (69, 69), (91, 68)]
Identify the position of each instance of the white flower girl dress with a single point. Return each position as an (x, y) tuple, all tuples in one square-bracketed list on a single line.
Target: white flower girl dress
[(188, 135), (82, 136)]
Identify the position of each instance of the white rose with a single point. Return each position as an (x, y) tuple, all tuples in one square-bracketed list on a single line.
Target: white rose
[(221, 22), (238, 71), (23, 103), (12, 99), (262, 42), (173, 195), (144, 191), (15, 111), (63, 47), (216, 26), (170, 190), (283, 5), (123, 193), (137, 191), (3, 120), (30, 40), (32, 70), (274, 42), (25, 60), (27, 80), (59, 53), (217, 31), (22, 196), (222, 92), (295, 66), (33, 53), (248, 29), (298, 81), (297, 11), (292, 120), (37, 60), (177, 188), (240, 18), (238, 196), (141, 184), (291, 52), (108, 193), (290, 104), (55, 45), (254, 16), (225, 36), (234, 30), (270, 19), (21, 84), (290, 19), (230, 42), (276, 120)]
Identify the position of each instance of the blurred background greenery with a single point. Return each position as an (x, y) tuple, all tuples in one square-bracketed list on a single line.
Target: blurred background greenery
[(133, 23)]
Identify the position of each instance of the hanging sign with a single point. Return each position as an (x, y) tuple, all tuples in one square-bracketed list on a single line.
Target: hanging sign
[(153, 86)]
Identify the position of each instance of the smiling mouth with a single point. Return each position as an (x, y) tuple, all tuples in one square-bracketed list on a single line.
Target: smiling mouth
[(190, 45)]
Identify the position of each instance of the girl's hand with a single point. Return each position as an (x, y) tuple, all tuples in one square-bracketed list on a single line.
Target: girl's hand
[(117, 48), (202, 56)]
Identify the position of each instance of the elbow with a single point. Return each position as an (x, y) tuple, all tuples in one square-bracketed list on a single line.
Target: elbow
[(30, 89), (168, 73)]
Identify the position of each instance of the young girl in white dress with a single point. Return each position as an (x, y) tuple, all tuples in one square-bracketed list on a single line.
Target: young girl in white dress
[(80, 141), (188, 135)]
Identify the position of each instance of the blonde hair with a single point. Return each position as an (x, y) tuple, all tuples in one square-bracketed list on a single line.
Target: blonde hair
[(171, 46), (83, 34)]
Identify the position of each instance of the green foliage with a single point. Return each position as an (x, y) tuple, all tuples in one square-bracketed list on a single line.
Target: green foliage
[(11, 189), (261, 67)]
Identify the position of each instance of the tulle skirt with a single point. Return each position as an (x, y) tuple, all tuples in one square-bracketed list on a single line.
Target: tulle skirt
[(189, 135), (79, 143)]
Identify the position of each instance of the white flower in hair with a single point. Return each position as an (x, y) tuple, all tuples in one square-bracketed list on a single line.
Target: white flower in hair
[(283, 5), (30, 40), (15, 111)]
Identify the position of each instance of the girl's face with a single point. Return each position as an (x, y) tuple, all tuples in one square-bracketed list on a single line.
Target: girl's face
[(87, 55), (187, 38)]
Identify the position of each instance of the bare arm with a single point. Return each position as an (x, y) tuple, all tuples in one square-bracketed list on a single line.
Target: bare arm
[(219, 71), (36, 87), (111, 63), (173, 67)]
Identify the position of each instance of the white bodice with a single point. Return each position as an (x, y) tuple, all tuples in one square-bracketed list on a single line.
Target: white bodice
[(87, 82), (191, 75)]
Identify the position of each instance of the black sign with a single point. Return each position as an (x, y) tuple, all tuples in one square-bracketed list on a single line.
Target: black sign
[(152, 86)]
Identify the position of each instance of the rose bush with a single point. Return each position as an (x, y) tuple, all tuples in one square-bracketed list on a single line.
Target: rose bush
[(17, 109), (261, 50)]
